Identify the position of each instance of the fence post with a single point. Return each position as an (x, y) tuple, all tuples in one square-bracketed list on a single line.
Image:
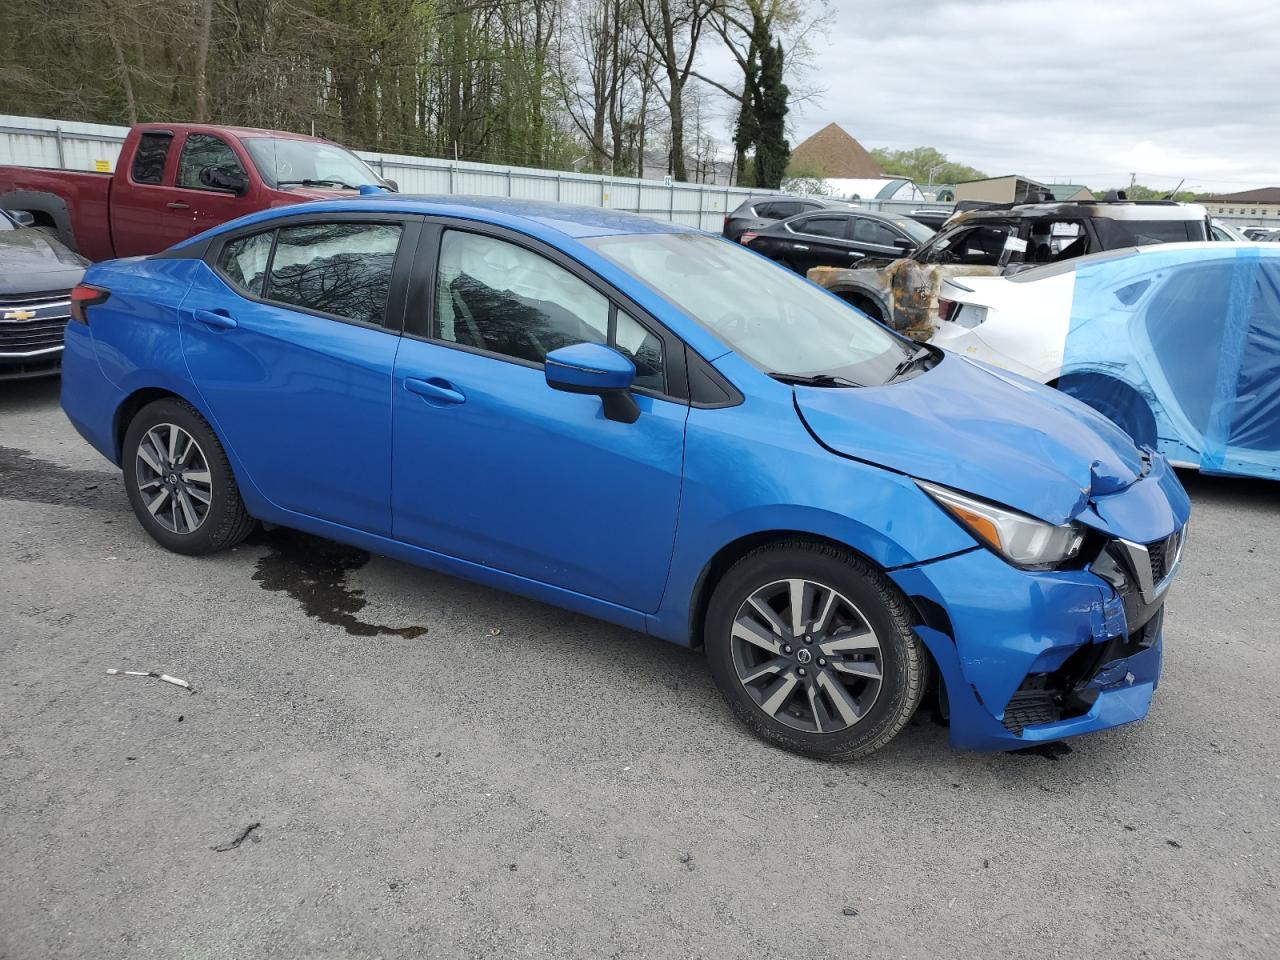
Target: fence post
[(508, 181), (702, 202), (604, 194), (62, 157), (559, 182), (452, 188), (671, 202)]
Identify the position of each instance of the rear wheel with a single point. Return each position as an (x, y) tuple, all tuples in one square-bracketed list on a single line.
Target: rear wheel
[(814, 650), (179, 482)]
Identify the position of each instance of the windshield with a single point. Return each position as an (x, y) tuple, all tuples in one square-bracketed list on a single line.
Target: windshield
[(915, 230), (779, 321), (282, 161)]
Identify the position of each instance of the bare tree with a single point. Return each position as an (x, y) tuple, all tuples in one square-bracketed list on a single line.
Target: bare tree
[(674, 28)]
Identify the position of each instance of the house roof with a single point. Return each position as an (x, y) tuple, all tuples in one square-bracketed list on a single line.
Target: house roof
[(1007, 176), (1261, 195), (833, 153), (1065, 191)]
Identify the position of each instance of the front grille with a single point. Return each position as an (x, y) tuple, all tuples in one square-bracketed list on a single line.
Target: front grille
[(32, 335), (33, 322), (1163, 555), (9, 301), (1029, 707)]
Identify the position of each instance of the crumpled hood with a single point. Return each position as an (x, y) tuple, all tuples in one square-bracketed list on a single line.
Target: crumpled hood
[(32, 262), (986, 432)]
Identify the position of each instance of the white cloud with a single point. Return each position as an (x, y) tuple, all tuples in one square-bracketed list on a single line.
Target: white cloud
[(1080, 90)]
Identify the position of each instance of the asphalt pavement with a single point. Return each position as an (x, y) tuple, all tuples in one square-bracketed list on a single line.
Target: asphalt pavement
[(379, 761)]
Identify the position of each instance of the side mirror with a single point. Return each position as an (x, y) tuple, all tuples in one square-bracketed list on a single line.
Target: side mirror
[(392, 185), (218, 179), (23, 218), (595, 368), (905, 245)]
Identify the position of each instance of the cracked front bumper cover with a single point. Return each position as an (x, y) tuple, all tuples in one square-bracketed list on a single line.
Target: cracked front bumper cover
[(1029, 657)]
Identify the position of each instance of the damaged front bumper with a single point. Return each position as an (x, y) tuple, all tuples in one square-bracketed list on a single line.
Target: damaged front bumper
[(1032, 656)]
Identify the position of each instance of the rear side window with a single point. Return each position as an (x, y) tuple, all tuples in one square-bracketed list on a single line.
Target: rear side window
[(343, 269), (203, 151), (977, 246), (244, 262), (822, 226), (1141, 233), (148, 161)]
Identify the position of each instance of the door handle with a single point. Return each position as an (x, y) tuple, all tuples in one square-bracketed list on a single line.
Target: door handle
[(856, 254), (799, 246), (436, 390), (214, 319), (177, 205)]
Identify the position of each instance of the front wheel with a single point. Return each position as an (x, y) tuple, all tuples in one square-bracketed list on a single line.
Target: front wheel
[(179, 482), (814, 650)]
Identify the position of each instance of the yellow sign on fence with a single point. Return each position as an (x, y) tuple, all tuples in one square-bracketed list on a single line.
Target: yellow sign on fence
[(102, 166)]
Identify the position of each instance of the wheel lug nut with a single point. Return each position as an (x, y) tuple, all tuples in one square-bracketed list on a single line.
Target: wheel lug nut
[(787, 648), (802, 671), (822, 662), (808, 639)]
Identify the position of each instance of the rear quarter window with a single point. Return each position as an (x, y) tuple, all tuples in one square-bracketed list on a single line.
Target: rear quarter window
[(149, 158)]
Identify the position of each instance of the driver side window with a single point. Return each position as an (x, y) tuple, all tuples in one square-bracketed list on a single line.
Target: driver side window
[(500, 297), (201, 152)]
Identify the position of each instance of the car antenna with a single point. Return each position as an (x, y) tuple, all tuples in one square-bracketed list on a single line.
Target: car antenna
[(1174, 192)]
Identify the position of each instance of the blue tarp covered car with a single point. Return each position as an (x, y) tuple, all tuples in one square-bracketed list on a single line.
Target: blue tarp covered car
[(1179, 344)]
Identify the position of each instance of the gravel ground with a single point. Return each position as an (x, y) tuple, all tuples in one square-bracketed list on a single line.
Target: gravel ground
[(383, 762)]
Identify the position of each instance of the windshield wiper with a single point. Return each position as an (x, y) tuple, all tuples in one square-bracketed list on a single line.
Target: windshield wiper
[(814, 380), (317, 183), (922, 353)]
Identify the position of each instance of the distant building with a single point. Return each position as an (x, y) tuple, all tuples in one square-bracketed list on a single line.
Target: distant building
[(1016, 189), (880, 188), (833, 154), (1263, 202)]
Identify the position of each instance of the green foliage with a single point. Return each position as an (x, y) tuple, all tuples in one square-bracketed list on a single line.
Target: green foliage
[(917, 164), (762, 120)]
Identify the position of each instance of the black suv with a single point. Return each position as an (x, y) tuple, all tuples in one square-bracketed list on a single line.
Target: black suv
[(760, 213)]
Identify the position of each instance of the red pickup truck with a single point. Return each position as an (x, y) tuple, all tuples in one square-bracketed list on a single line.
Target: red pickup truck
[(174, 180)]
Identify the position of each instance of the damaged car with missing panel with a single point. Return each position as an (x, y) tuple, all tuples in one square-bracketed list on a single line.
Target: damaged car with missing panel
[(1003, 239)]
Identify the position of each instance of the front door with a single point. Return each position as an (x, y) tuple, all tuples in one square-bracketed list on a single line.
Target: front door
[(196, 202), (287, 343), (493, 466)]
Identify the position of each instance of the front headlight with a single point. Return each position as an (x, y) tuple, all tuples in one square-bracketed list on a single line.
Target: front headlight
[(1022, 540)]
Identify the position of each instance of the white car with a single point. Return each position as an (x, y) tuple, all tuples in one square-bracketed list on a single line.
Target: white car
[(1176, 343)]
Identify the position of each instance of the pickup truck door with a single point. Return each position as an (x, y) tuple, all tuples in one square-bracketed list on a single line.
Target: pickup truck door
[(202, 195), (138, 213)]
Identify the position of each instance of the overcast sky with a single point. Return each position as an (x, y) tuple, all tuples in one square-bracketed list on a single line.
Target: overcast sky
[(1081, 91)]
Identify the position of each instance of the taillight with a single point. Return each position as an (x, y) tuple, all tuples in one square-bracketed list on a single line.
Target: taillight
[(747, 237), (84, 296), (946, 308)]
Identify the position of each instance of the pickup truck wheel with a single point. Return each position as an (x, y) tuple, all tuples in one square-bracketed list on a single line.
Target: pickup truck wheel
[(179, 482), (814, 651)]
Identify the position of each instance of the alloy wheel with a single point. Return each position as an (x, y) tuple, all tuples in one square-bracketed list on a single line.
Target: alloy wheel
[(173, 478), (807, 656)]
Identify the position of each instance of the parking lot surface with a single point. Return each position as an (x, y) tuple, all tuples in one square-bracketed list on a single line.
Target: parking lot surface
[(382, 762)]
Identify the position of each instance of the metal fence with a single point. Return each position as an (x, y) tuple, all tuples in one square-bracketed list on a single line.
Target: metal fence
[(40, 142)]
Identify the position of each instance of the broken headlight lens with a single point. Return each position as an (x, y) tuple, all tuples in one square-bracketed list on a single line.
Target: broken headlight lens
[(1022, 540)]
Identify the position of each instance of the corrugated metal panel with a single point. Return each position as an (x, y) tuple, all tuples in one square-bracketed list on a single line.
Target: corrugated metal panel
[(41, 142)]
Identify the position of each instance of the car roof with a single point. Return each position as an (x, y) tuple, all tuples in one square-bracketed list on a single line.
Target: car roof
[(539, 217), (1080, 210), (176, 128), (1183, 251)]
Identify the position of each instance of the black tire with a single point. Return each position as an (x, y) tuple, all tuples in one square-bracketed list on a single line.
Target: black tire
[(226, 522), (904, 665)]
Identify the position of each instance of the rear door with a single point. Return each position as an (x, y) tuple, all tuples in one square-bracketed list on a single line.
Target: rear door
[(494, 467), (290, 334), (820, 240), (139, 214), (876, 240)]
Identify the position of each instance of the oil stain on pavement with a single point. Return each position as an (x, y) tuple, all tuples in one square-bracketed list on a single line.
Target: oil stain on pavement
[(24, 477), (314, 572)]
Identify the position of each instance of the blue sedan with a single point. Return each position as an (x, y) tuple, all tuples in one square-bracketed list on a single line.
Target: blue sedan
[(652, 426)]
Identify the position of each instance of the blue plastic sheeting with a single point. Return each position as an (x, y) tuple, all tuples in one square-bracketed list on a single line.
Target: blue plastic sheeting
[(1180, 345)]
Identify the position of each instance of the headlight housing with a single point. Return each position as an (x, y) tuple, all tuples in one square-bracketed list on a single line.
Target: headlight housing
[(1021, 540)]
